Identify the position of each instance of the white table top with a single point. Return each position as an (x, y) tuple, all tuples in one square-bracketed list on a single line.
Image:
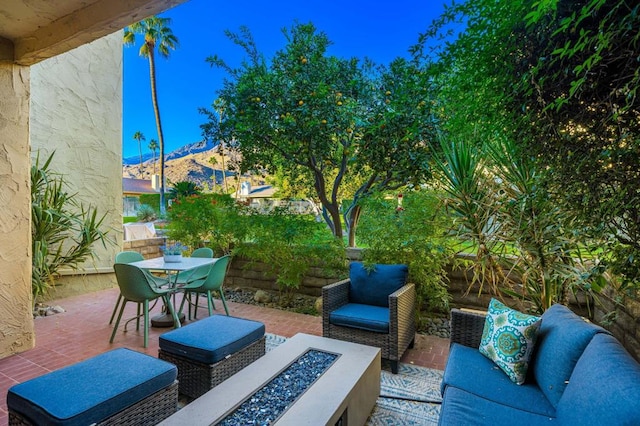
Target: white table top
[(158, 263)]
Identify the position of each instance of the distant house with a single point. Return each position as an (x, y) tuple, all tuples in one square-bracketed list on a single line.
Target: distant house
[(261, 197), (132, 189)]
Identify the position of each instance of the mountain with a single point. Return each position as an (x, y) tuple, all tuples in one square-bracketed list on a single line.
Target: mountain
[(192, 148), (189, 163)]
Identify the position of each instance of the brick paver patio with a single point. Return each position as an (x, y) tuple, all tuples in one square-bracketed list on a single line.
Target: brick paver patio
[(83, 331)]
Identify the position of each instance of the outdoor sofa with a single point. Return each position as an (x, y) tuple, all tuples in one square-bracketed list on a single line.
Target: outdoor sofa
[(578, 374)]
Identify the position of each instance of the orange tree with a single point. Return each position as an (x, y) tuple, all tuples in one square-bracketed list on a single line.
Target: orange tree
[(343, 127)]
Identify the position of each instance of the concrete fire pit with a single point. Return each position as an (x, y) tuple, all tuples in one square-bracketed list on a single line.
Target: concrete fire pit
[(347, 391)]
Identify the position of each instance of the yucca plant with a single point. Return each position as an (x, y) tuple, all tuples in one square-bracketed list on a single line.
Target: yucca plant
[(542, 233), (63, 231), (526, 245), (470, 198)]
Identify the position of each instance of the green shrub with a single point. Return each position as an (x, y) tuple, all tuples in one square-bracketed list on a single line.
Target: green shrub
[(290, 244), (411, 235), (214, 220), (152, 200)]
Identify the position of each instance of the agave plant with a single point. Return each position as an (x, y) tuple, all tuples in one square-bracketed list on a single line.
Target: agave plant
[(63, 231)]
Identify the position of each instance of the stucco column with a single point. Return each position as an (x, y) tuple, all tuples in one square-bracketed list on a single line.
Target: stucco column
[(16, 317)]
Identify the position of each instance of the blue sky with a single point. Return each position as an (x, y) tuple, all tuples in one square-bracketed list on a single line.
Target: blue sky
[(378, 30)]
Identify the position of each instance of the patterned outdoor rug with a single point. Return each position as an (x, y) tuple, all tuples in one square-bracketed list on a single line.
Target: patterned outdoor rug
[(408, 398)]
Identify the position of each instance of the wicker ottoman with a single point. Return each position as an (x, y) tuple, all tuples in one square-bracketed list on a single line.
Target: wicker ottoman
[(209, 351), (119, 387)]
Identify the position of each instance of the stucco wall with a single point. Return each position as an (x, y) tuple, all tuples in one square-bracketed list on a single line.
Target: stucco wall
[(16, 323), (76, 111)]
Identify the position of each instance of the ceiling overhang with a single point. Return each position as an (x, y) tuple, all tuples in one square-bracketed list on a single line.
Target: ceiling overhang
[(31, 34)]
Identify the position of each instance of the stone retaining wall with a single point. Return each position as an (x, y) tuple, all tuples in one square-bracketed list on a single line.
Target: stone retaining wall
[(623, 319), (246, 274), (149, 248)]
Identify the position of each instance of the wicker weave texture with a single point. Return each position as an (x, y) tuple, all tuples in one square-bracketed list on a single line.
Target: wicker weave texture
[(197, 378), (149, 411), (402, 326), (467, 327)]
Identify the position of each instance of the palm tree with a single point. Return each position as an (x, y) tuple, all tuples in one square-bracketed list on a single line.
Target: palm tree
[(157, 35), (138, 136), (153, 146)]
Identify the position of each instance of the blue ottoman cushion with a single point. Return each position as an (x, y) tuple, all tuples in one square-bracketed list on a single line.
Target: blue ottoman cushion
[(374, 288), (91, 390), (364, 317), (212, 339)]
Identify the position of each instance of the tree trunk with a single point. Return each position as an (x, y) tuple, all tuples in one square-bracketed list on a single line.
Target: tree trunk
[(156, 110), (331, 209), (354, 217), (140, 149), (334, 213)]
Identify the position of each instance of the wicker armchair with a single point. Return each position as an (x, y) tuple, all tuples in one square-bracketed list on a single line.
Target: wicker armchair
[(401, 320), (466, 327)]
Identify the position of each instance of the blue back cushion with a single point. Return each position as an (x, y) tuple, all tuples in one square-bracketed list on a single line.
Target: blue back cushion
[(91, 390), (562, 338), (374, 288), (604, 388)]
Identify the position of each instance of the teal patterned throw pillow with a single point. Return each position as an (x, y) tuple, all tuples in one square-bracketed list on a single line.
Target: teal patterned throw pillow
[(508, 339)]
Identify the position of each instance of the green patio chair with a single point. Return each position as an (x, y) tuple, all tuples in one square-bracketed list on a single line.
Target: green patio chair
[(212, 283), (196, 274), (135, 286), (129, 257)]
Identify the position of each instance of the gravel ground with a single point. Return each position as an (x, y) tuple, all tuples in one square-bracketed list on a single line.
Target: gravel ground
[(436, 326)]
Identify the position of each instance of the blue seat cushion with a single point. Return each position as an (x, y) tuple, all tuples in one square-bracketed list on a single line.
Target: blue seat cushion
[(460, 407), (91, 390), (374, 287), (364, 317), (212, 339), (604, 388), (562, 338), (471, 371)]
